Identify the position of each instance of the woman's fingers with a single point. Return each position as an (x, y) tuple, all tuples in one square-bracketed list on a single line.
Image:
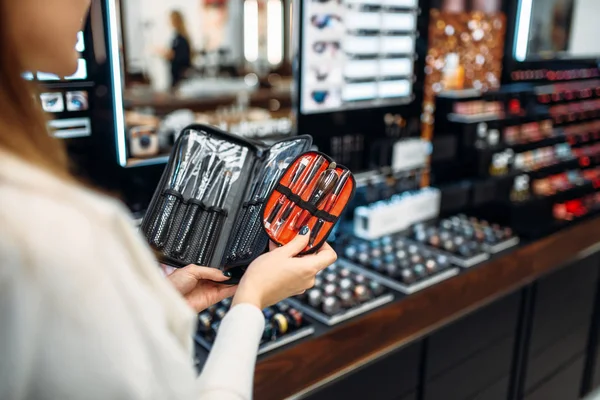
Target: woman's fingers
[(200, 273), (227, 291), (323, 258), (297, 244)]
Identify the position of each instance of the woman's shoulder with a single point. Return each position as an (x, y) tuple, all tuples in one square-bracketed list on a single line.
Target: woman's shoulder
[(41, 226), (57, 224), (64, 207)]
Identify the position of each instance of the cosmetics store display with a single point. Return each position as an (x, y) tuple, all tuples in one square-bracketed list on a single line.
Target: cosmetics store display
[(401, 264), (342, 291), (569, 194), (529, 156), (67, 98), (284, 324), (357, 54), (465, 51), (206, 209)]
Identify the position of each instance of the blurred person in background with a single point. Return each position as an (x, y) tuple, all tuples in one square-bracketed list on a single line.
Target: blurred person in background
[(560, 27), (85, 312), (179, 55)]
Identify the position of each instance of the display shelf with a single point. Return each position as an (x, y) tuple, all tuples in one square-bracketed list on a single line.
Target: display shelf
[(269, 346), (374, 336), (72, 135), (409, 288), (503, 246), (464, 262), (551, 169), (142, 162), (557, 137), (399, 263), (550, 141), (558, 225), (466, 241), (284, 324), (346, 315), (574, 192), (452, 117), (329, 314)]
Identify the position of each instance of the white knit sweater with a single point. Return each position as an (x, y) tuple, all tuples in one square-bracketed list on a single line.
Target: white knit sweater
[(85, 312)]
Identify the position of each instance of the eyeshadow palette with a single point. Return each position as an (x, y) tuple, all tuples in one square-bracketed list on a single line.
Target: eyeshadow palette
[(284, 324), (466, 240), (342, 291), (458, 247), (400, 263), (493, 237)]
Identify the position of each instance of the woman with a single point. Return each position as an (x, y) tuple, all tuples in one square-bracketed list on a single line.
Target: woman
[(179, 55), (85, 312)]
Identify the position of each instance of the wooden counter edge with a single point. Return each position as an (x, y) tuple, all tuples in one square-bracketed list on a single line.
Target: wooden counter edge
[(364, 339)]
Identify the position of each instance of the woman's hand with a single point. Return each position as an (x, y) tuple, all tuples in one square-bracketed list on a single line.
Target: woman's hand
[(198, 287), (279, 274)]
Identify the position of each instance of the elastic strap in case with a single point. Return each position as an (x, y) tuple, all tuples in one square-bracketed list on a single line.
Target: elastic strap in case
[(253, 203), (203, 207), (173, 192), (286, 191)]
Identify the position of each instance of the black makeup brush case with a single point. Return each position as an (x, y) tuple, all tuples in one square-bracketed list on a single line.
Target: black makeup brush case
[(207, 209)]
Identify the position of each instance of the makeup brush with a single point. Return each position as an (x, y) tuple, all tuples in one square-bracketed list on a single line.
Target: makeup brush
[(254, 224), (198, 231), (185, 162), (215, 222), (326, 183), (251, 196), (294, 181), (209, 171), (302, 186), (331, 200)]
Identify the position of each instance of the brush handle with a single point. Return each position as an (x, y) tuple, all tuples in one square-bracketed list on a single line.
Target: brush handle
[(253, 233), (208, 240), (181, 240), (190, 252), (287, 211), (239, 235), (218, 226), (276, 209), (253, 227), (303, 219), (327, 208), (166, 214), (315, 231)]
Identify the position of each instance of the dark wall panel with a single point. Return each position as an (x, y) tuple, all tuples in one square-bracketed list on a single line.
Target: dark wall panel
[(471, 334), (564, 385), (472, 376), (391, 378)]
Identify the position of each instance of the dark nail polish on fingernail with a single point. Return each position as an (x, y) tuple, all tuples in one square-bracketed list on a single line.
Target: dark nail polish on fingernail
[(227, 274), (304, 230)]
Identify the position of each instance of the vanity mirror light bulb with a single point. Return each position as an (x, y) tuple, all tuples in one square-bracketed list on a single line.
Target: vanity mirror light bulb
[(251, 30), (274, 32)]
